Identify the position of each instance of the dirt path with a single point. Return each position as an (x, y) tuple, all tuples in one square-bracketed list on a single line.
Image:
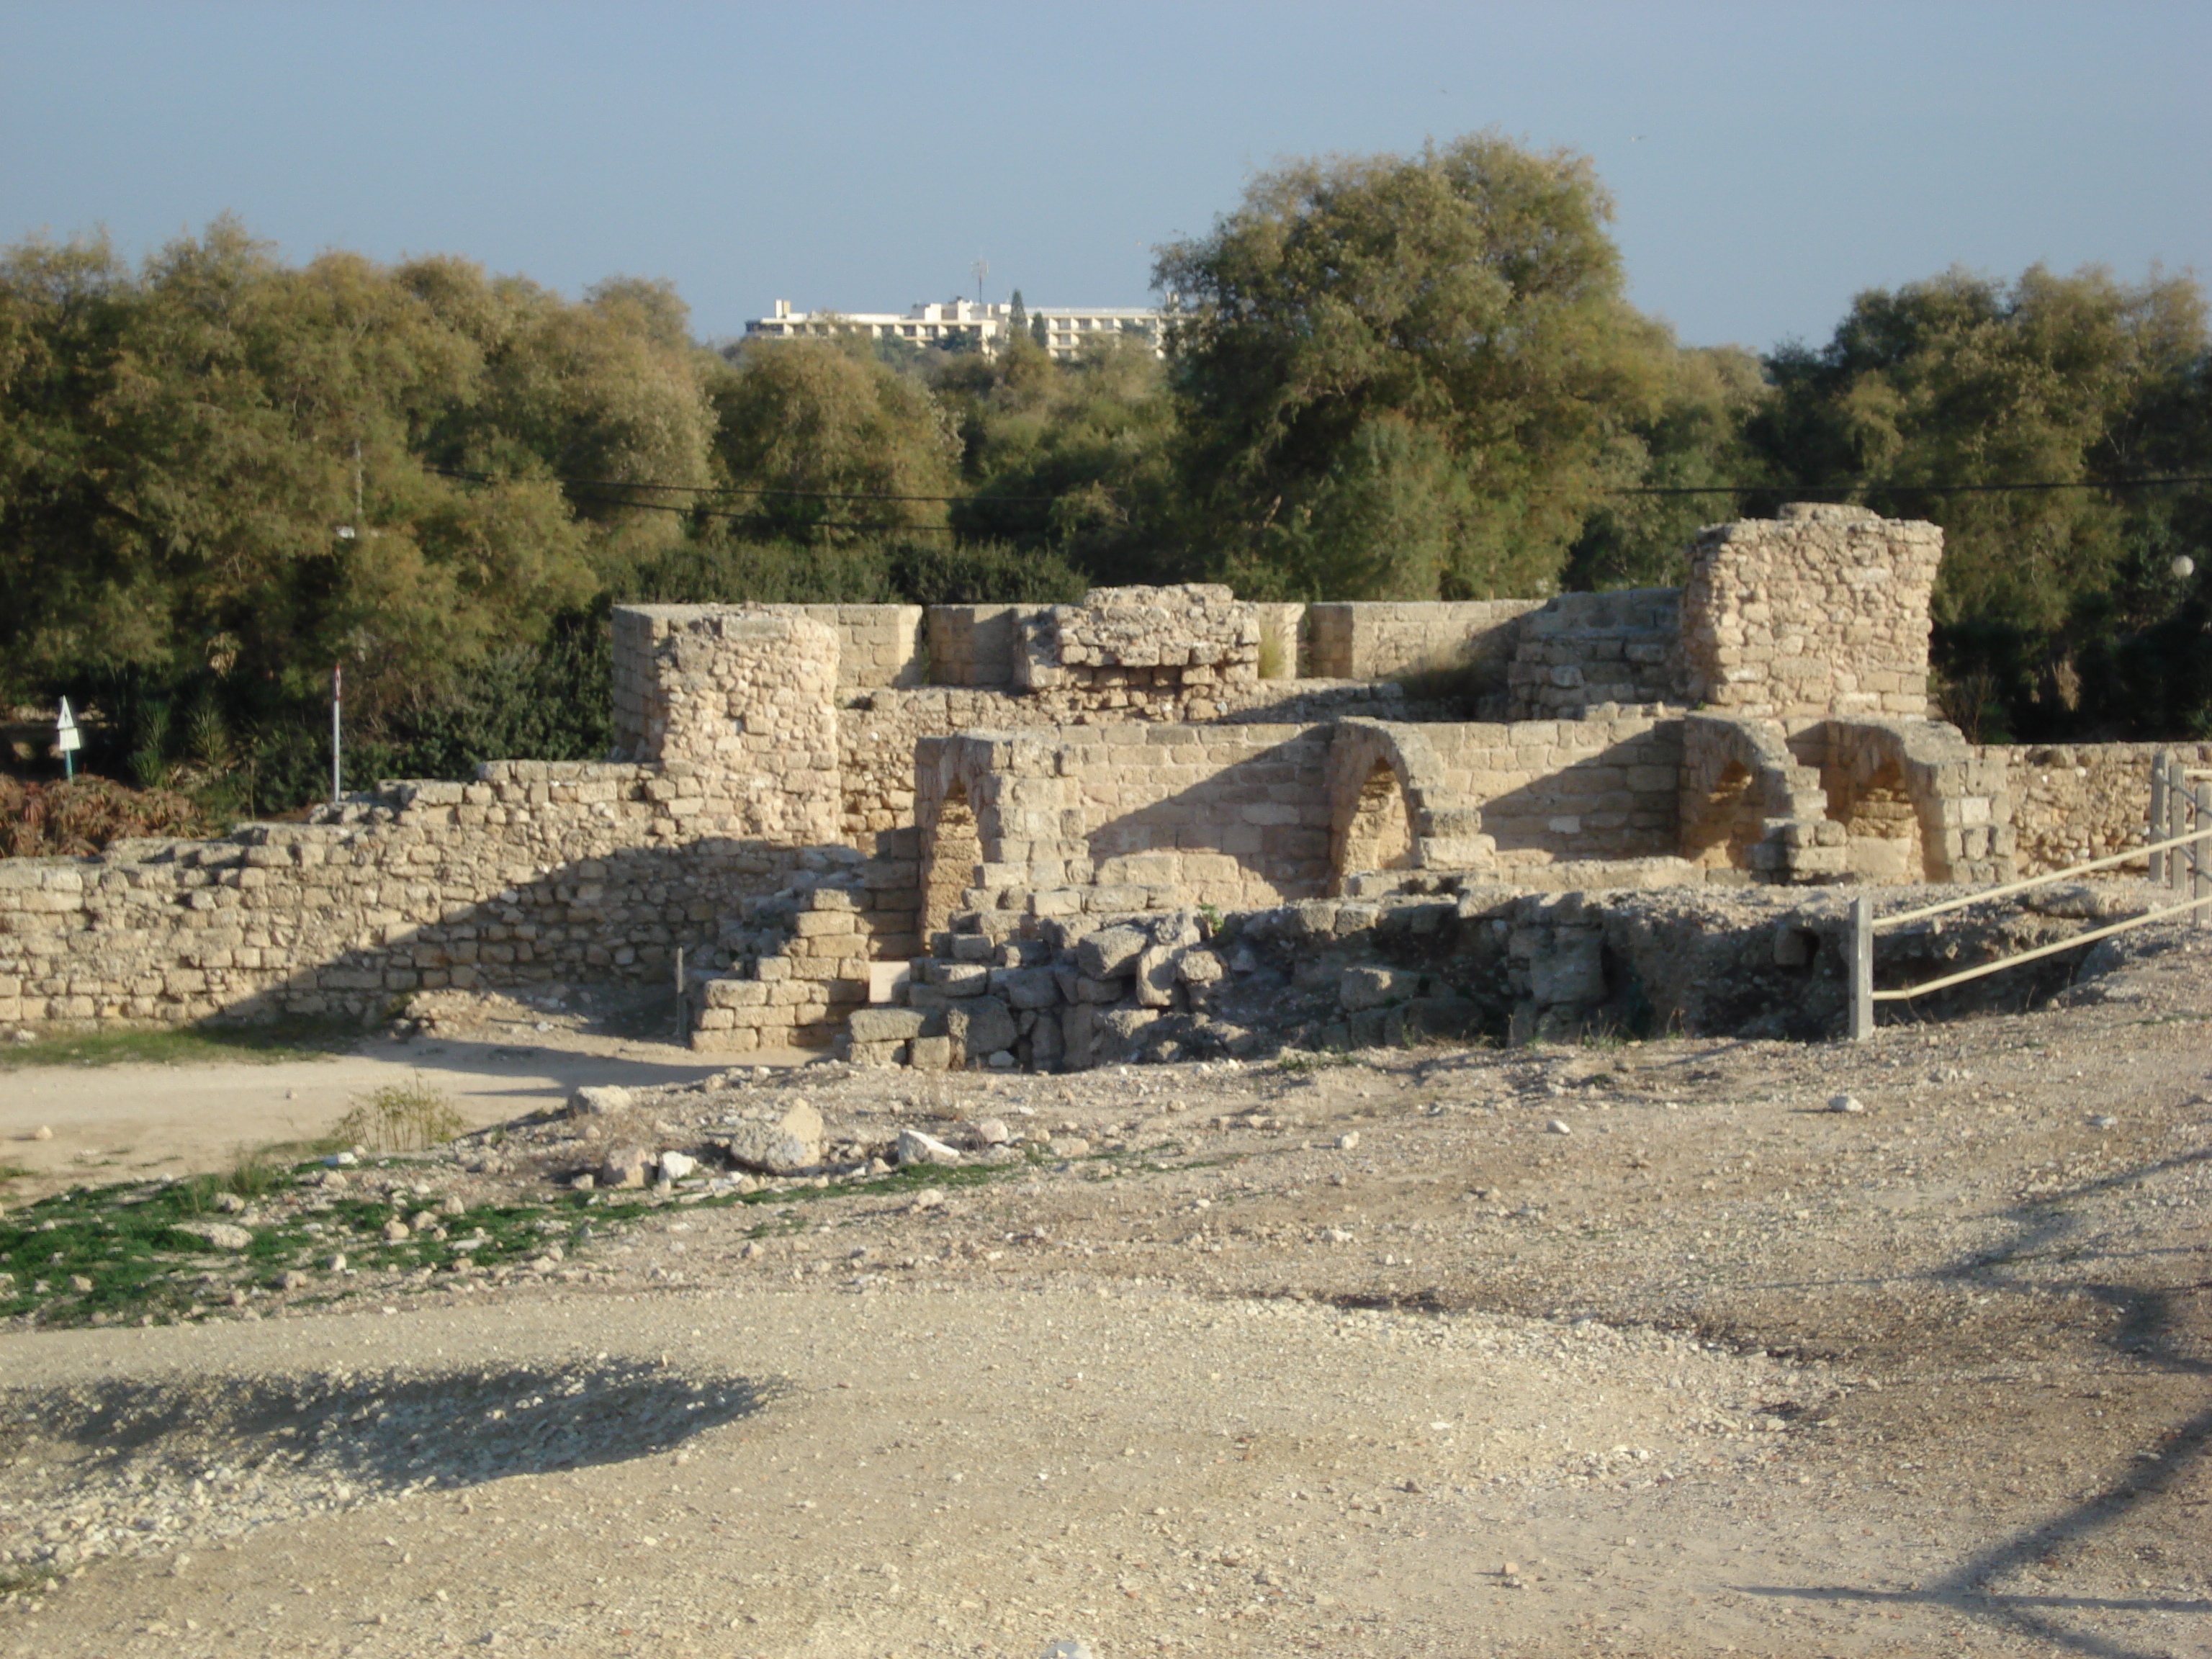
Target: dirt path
[(1308, 1366), (127, 1122)]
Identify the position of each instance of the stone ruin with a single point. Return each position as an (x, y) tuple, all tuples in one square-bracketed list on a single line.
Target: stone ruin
[(1164, 822)]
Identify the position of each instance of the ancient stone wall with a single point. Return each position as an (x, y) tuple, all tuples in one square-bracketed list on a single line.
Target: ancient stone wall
[(1377, 641), (1497, 795), (1123, 818), (749, 697), (1915, 801), (1580, 651), (876, 735), (973, 645), (540, 872), (536, 872), (2073, 802), (1822, 612), (1139, 648)]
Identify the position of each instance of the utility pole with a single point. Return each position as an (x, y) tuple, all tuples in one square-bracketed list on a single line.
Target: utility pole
[(982, 269)]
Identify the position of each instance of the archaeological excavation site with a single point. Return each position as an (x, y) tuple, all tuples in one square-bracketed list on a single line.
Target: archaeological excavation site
[(1164, 824)]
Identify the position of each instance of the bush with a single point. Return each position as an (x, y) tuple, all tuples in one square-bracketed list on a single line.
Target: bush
[(78, 817), (400, 1117)]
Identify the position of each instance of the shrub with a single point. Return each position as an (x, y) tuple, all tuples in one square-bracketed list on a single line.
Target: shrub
[(73, 818), (400, 1117)]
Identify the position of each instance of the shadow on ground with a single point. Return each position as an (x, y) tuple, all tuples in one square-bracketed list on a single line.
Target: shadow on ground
[(378, 1433)]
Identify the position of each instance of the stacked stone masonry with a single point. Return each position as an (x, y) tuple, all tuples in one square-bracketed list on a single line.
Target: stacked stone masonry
[(1823, 611), (796, 806)]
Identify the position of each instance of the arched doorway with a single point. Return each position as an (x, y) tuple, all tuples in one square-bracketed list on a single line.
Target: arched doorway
[(1379, 836), (951, 850)]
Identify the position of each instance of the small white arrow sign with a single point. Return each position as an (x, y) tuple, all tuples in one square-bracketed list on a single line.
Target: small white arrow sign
[(67, 737)]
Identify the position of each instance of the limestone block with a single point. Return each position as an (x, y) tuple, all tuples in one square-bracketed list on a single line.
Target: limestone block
[(980, 1027), (1026, 987), (1111, 952), (1362, 988), (1155, 976)]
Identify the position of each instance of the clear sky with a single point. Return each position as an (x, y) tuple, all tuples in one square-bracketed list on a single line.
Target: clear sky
[(1768, 159)]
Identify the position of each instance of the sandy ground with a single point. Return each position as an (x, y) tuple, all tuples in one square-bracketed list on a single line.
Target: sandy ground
[(132, 1121), (1636, 1350)]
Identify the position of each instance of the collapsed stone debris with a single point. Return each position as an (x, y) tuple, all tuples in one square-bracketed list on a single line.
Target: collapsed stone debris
[(1163, 822)]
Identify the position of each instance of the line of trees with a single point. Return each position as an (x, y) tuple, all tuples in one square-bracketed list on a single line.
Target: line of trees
[(1392, 377)]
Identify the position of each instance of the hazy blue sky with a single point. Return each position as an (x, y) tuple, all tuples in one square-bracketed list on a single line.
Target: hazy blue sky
[(1768, 159)]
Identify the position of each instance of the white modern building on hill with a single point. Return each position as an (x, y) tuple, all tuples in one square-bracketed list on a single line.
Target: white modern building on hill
[(958, 322)]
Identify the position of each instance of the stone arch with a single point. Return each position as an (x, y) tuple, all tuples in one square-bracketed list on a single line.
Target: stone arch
[(1723, 820), (1747, 803), (1379, 833), (1915, 802), (1874, 802), (1382, 775)]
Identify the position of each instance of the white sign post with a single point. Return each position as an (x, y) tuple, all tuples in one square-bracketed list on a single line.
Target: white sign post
[(68, 739), (337, 698)]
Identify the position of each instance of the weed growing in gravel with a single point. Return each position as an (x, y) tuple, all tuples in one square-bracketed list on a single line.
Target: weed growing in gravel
[(400, 1117), (1295, 1060)]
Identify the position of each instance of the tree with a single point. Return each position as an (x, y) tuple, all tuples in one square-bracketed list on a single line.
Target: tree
[(1434, 345), (1696, 469), (1941, 398), (1072, 458), (832, 439)]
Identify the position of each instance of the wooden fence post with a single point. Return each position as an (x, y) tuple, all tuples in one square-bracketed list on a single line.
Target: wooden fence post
[(2177, 818), (2200, 853), (1860, 962), (2158, 764)]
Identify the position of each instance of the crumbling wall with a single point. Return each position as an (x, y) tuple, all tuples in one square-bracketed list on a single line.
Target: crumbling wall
[(1490, 795), (1376, 641), (1580, 651), (1128, 817), (536, 872), (1135, 647), (746, 696), (1749, 805), (1822, 612), (973, 645), (2071, 803), (1915, 801)]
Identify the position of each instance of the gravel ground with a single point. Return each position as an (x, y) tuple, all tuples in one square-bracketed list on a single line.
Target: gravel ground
[(1639, 1349)]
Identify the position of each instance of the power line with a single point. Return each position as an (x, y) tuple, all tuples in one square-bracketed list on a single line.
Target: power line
[(1760, 488), (1876, 489), (719, 489)]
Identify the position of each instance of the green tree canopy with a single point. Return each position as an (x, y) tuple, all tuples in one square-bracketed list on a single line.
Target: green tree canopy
[(833, 437), (2055, 587), (1407, 376)]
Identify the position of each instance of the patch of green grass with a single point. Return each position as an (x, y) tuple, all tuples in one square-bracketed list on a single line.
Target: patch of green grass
[(27, 1581), (127, 1246), (183, 1045), (1295, 1060), (126, 1241)]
